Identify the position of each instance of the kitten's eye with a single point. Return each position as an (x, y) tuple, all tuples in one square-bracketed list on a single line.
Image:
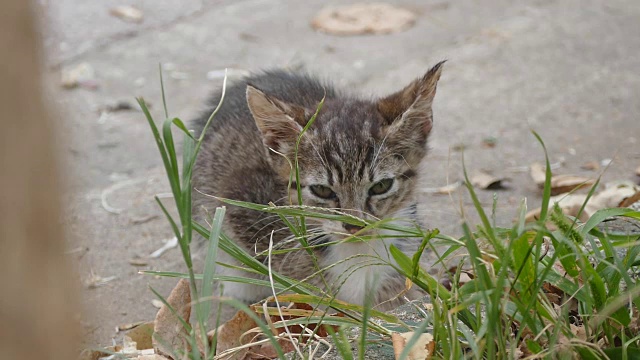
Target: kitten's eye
[(381, 187), (323, 192)]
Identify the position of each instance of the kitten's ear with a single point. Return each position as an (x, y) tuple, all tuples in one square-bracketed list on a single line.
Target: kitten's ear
[(408, 112), (279, 122)]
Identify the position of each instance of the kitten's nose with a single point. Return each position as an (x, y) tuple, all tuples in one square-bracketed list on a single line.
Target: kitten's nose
[(352, 229)]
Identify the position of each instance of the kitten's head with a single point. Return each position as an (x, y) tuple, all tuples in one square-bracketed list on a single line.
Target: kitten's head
[(360, 157)]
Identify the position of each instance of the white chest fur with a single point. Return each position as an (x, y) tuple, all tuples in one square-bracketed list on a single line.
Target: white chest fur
[(358, 269)]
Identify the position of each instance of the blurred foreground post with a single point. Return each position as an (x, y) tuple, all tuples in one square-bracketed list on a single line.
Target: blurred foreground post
[(36, 303)]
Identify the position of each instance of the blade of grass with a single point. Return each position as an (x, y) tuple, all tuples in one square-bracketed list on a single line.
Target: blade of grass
[(210, 262)]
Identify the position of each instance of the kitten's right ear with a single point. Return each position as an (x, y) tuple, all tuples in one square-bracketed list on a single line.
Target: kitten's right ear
[(279, 122)]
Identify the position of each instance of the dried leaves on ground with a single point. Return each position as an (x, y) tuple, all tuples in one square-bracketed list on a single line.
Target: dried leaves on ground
[(486, 181), (363, 18), (559, 183), (422, 349), (169, 334), (616, 194)]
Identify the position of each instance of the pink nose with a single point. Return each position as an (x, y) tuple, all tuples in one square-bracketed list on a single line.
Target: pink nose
[(352, 229)]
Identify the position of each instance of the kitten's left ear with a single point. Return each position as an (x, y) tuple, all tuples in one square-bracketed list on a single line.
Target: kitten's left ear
[(408, 112)]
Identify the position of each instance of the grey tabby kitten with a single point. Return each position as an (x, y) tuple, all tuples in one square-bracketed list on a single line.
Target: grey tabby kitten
[(361, 157)]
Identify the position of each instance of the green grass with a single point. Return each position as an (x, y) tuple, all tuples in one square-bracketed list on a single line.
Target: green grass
[(503, 311)]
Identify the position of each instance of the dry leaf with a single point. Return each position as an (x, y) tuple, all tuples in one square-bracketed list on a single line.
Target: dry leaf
[(537, 172), (241, 330), (569, 203), (614, 195), (94, 280), (229, 334), (127, 13), (443, 190), (630, 200), (485, 181), (560, 184), (579, 332), (142, 335), (591, 165), (361, 18), (88, 354), (638, 171), (129, 326), (138, 262), (169, 333), (120, 105), (421, 350)]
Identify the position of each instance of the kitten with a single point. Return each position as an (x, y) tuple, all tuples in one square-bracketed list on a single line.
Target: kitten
[(359, 156)]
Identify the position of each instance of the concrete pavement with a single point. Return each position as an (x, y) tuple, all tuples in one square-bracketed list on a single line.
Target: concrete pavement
[(568, 69)]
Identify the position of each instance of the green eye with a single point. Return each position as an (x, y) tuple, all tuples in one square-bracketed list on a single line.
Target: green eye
[(381, 187), (323, 192)]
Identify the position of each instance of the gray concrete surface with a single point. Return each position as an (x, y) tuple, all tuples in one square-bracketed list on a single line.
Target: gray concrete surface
[(570, 69)]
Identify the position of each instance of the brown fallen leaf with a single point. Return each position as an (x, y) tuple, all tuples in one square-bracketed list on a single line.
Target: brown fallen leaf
[(169, 333), (363, 18), (129, 326), (242, 330), (138, 261), (94, 280), (579, 332), (120, 105), (591, 165), (560, 184), (443, 190), (127, 13), (485, 181), (569, 203), (614, 195), (142, 335), (230, 334), (638, 171), (421, 350), (89, 354), (630, 200), (537, 171), (152, 357)]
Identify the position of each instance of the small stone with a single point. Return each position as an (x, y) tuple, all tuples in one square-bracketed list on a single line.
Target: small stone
[(591, 165), (489, 142), (138, 262), (157, 303), (74, 76), (127, 13), (140, 82)]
